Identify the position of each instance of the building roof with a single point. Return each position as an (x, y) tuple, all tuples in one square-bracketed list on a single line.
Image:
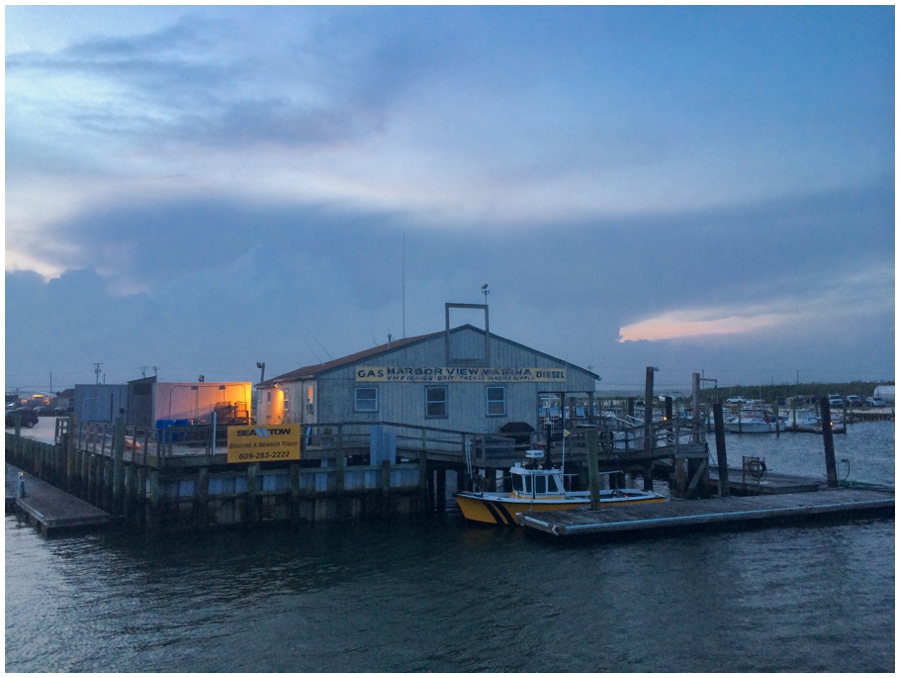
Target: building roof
[(312, 370), (396, 344)]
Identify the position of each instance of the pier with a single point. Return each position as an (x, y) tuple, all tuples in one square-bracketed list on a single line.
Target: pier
[(180, 478), (50, 509), (727, 513)]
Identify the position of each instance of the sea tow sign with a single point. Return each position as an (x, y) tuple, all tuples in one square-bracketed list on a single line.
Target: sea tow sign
[(476, 374), (263, 443)]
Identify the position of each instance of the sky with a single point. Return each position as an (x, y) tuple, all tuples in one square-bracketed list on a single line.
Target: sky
[(193, 190)]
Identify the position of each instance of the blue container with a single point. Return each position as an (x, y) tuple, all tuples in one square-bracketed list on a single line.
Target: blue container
[(164, 423)]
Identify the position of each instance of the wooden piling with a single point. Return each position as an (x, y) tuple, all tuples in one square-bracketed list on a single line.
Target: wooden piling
[(295, 493), (828, 438), (593, 468), (721, 456), (72, 460), (128, 502), (202, 499), (648, 428), (118, 469), (153, 519), (252, 494), (423, 479), (441, 488)]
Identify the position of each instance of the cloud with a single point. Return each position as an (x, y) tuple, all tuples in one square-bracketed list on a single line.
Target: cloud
[(682, 324), (855, 294)]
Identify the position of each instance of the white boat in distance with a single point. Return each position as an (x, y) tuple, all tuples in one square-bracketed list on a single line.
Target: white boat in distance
[(751, 420)]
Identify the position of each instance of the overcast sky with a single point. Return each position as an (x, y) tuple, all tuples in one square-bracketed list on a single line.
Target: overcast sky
[(704, 189)]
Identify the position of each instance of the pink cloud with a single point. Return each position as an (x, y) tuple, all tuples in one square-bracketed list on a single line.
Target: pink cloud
[(680, 324)]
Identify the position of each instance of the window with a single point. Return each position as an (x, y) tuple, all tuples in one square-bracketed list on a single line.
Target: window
[(517, 483), (540, 484), (496, 401), (367, 400), (435, 401), (287, 400)]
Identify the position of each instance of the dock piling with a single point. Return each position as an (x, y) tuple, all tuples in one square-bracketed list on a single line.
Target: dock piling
[(721, 456), (828, 438)]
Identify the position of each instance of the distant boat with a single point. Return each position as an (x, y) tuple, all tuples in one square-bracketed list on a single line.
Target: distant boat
[(751, 420)]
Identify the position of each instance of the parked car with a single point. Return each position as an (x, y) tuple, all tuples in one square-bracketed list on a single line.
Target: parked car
[(876, 402), (29, 417), (854, 401), (834, 399)]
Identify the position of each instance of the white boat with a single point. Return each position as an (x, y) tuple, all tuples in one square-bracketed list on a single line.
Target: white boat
[(538, 489), (751, 420)]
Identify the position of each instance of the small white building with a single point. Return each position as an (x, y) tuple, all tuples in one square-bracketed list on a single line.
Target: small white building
[(462, 379)]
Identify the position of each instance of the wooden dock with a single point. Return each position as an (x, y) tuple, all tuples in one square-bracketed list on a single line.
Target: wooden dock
[(742, 483), (724, 513), (49, 508)]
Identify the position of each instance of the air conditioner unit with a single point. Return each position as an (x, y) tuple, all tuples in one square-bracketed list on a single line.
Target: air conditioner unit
[(309, 407)]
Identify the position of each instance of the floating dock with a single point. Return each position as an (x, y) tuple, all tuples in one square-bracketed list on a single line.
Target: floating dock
[(728, 512), (49, 508)]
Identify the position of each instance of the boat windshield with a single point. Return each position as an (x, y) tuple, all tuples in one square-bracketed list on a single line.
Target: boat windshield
[(540, 484), (553, 485), (517, 482)]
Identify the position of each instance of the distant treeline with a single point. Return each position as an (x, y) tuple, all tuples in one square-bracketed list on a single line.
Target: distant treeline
[(864, 389)]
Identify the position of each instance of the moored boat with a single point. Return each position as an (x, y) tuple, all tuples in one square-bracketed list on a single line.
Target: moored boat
[(535, 488), (751, 420)]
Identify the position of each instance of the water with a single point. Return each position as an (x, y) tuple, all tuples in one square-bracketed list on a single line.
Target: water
[(439, 595)]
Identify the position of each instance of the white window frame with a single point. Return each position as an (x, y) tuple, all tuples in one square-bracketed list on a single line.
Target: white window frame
[(489, 401), (435, 402), (356, 399)]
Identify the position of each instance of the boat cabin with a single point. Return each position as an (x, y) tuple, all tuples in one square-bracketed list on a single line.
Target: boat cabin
[(533, 481)]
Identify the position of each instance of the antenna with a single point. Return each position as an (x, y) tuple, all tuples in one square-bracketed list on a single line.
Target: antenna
[(97, 369), (403, 284), (323, 348), (485, 292), (314, 352)]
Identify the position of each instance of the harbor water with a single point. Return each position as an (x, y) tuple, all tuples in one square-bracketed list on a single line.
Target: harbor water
[(434, 594)]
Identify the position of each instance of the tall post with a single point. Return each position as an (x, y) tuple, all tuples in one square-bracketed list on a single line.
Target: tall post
[(118, 475), (695, 406), (71, 455), (777, 422), (828, 437), (721, 456), (593, 470), (648, 430)]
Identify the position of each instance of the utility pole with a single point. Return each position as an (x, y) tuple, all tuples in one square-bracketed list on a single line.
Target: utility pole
[(97, 369)]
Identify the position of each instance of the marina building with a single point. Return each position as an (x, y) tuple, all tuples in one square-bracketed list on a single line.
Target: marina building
[(462, 379)]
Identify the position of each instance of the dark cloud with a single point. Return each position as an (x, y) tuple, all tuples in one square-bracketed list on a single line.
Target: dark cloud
[(191, 88), (213, 269)]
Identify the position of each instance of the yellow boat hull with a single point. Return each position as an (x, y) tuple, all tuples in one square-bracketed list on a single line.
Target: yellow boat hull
[(502, 510)]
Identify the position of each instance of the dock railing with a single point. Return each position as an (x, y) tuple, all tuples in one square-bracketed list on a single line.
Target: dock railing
[(322, 441), (618, 438)]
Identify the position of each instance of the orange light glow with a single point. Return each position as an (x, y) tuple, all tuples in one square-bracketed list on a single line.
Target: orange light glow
[(680, 324)]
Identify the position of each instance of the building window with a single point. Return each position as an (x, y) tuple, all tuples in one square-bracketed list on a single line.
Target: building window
[(435, 401), (367, 400), (496, 401), (287, 400)]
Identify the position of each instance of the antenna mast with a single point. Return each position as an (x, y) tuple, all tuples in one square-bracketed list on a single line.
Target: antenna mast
[(403, 285)]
